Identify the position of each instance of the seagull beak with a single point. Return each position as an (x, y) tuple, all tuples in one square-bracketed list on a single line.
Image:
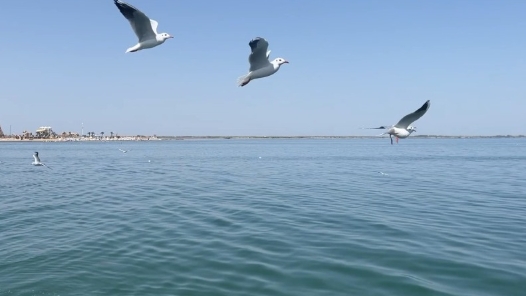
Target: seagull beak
[(285, 62), (171, 37)]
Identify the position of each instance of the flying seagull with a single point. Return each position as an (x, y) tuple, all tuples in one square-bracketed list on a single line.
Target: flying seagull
[(259, 64), (123, 151), (144, 27), (37, 161), (403, 128)]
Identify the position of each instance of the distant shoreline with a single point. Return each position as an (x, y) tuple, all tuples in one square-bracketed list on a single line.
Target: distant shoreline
[(172, 138), (335, 137)]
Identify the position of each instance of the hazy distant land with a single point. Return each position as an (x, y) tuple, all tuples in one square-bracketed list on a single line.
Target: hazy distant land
[(333, 137), (172, 138)]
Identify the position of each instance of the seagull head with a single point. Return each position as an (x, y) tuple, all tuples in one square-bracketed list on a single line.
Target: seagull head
[(36, 153), (280, 61), (166, 36)]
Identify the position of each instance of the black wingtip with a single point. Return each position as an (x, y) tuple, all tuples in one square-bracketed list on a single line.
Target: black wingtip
[(126, 9), (254, 43), (425, 106)]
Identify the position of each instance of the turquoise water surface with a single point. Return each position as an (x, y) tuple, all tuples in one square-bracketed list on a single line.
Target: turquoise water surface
[(264, 217)]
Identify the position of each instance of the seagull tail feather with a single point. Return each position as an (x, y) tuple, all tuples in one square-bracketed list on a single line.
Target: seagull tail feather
[(242, 79)]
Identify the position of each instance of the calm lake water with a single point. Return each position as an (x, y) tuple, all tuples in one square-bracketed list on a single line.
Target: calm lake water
[(264, 217)]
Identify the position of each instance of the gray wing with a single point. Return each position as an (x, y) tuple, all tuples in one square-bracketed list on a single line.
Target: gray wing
[(258, 57), (410, 118), (140, 23)]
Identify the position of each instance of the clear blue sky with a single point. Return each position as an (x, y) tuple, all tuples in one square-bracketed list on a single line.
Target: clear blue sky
[(352, 64)]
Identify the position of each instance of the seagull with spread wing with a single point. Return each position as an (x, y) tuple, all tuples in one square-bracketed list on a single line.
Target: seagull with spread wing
[(144, 27), (37, 161), (403, 128), (260, 66)]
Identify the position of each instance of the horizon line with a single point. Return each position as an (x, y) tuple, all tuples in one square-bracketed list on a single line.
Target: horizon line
[(344, 136)]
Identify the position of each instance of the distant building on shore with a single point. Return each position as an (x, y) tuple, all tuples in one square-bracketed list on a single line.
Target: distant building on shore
[(1, 132), (45, 132)]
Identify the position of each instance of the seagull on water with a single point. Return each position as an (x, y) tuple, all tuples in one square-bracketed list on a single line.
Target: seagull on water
[(144, 27), (37, 161), (403, 128), (123, 151), (260, 66)]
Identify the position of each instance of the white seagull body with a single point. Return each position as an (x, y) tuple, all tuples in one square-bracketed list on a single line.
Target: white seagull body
[(37, 161), (260, 66), (403, 128), (123, 151), (144, 27)]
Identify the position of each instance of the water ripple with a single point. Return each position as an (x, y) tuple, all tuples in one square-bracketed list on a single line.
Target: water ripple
[(310, 217)]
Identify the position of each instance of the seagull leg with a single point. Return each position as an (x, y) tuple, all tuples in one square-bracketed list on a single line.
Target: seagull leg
[(391, 137), (396, 140)]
